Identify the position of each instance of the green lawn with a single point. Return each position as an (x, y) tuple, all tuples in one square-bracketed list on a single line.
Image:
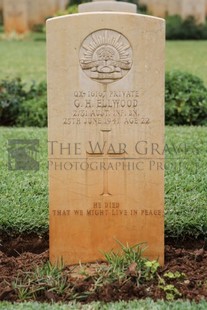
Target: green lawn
[(27, 58), (24, 58), (131, 305), (24, 194), (188, 56)]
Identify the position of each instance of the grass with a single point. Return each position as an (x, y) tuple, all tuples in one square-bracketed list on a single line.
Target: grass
[(186, 182), (122, 267), (43, 278), (187, 56), (27, 58), (131, 305), (24, 194)]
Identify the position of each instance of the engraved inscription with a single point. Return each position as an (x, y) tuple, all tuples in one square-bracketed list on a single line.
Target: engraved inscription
[(108, 211), (106, 56), (109, 107)]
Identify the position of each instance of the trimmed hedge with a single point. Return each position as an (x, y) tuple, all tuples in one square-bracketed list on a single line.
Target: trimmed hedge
[(22, 105), (185, 101), (188, 29)]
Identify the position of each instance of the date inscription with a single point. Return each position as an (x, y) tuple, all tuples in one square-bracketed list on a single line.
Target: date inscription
[(106, 108)]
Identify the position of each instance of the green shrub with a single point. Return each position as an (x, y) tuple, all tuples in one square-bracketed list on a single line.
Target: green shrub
[(77, 2), (37, 89), (185, 99), (22, 105), (188, 29), (142, 9), (33, 110), (40, 28), (12, 93), (33, 113), (72, 9), (1, 18)]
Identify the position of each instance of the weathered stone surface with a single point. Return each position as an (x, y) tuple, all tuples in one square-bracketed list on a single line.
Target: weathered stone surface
[(106, 134)]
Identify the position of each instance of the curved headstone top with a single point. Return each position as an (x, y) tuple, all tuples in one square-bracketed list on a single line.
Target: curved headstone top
[(107, 5)]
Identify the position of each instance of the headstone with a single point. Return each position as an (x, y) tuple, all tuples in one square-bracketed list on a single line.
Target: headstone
[(106, 134), (39, 10), (183, 8), (156, 7), (174, 7), (193, 8), (48, 8), (35, 15), (62, 4), (52, 7), (22, 15), (186, 8), (1, 10), (146, 3), (15, 15)]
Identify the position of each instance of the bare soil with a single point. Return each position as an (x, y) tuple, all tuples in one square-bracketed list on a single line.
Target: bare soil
[(22, 254)]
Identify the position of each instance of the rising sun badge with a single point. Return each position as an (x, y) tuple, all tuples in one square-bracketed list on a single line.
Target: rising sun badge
[(106, 56)]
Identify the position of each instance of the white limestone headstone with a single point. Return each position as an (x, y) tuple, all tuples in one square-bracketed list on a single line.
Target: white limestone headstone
[(106, 133)]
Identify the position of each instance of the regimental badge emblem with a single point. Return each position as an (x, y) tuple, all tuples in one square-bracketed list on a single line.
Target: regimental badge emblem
[(106, 56)]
